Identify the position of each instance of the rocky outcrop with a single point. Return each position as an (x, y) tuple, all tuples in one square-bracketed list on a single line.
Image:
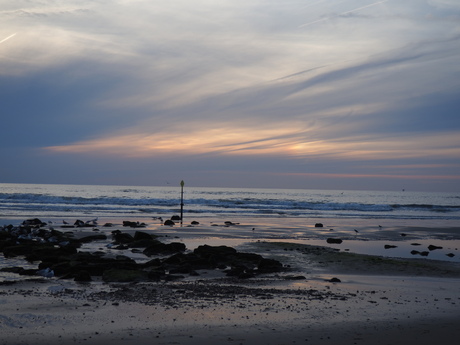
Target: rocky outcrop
[(56, 254)]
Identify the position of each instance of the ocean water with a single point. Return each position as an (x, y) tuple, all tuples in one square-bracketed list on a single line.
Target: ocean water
[(22, 201)]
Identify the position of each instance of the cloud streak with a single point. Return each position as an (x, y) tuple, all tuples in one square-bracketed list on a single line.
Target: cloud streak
[(7, 38), (342, 14)]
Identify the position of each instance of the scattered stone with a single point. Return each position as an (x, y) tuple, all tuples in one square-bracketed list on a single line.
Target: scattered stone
[(334, 280), (169, 222), (433, 247), (319, 225), (450, 255)]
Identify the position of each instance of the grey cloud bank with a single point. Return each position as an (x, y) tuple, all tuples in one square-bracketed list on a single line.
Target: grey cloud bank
[(298, 94)]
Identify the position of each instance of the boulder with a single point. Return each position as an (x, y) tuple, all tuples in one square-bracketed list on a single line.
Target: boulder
[(319, 225)]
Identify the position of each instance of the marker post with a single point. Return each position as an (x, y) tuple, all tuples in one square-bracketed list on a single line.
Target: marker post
[(181, 201)]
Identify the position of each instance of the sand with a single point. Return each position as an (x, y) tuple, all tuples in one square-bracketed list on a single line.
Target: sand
[(378, 300)]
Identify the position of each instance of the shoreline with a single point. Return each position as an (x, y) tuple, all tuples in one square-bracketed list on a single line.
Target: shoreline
[(375, 300)]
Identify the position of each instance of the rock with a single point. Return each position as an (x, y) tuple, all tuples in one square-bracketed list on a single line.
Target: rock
[(334, 240), (450, 255), (175, 217), (82, 276), (122, 237), (145, 243), (389, 246), (334, 280), (124, 275), (142, 235), (294, 277), (206, 251), (269, 266), (33, 222), (195, 222), (433, 247), (319, 225), (169, 222), (92, 238)]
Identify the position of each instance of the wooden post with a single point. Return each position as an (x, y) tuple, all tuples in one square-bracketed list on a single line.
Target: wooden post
[(181, 201)]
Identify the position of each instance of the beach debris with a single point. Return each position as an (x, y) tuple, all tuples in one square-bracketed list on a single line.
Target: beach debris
[(331, 240), (389, 246), (356, 231), (319, 225)]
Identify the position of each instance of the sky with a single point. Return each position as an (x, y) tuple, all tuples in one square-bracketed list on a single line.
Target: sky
[(312, 94)]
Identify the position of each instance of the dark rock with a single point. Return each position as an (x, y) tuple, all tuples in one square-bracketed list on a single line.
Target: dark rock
[(433, 247), (389, 246), (319, 225), (141, 235), (92, 238), (17, 250), (424, 253), (124, 275), (334, 240), (206, 251), (175, 217), (82, 276), (122, 237), (295, 277), (269, 266), (334, 280), (169, 222), (33, 222), (450, 255), (195, 222), (159, 248), (142, 243)]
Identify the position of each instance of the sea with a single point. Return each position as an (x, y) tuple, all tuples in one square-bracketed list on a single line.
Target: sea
[(58, 204), (53, 201)]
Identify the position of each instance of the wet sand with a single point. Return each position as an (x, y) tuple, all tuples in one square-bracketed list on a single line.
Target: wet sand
[(376, 300)]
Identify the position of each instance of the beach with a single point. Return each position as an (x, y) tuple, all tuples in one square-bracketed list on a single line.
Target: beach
[(325, 293)]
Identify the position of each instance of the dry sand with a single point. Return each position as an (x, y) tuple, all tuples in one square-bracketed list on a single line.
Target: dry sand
[(377, 301)]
